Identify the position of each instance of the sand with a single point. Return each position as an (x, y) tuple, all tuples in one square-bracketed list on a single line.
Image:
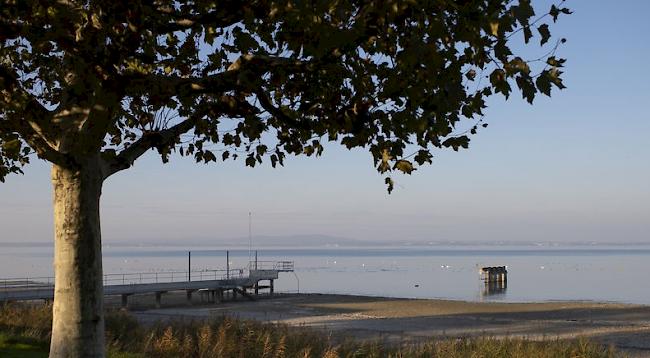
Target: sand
[(627, 327)]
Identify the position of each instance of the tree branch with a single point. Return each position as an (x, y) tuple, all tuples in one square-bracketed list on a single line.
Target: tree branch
[(276, 112), (35, 141), (9, 29), (128, 156), (228, 14), (27, 117), (241, 75), (166, 137)]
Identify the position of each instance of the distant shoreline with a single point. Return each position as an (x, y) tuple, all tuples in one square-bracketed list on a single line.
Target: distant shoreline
[(353, 244)]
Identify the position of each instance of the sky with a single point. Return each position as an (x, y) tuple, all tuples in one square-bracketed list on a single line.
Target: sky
[(571, 168)]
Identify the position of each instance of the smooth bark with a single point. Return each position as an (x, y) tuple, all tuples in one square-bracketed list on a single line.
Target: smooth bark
[(78, 319)]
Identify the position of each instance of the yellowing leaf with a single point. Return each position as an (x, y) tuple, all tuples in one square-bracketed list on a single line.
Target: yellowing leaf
[(404, 166), (494, 28)]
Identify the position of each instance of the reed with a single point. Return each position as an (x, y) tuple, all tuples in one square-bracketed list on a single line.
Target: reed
[(227, 337)]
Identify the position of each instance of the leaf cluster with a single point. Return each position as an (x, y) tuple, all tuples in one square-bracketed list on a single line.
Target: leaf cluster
[(260, 79)]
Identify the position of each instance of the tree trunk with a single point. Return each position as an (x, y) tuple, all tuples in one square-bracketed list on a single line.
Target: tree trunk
[(78, 312)]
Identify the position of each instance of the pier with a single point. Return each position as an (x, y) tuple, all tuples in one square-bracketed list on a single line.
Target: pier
[(494, 274), (495, 279), (210, 284)]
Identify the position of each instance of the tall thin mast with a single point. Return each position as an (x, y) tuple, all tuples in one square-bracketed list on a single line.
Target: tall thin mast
[(250, 238)]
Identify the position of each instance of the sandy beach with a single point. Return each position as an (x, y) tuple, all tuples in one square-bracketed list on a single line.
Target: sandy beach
[(391, 320)]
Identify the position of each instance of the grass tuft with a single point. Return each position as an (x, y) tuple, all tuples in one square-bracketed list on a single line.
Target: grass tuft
[(25, 332)]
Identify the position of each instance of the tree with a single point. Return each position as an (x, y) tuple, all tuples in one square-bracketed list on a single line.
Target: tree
[(90, 86)]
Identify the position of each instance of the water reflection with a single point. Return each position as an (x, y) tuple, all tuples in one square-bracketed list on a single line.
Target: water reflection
[(494, 288)]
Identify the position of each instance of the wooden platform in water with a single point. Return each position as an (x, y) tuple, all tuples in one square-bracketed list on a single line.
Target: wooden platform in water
[(237, 281)]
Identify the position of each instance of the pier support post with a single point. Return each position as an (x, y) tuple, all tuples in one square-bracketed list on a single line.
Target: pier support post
[(125, 301), (189, 297), (257, 288), (271, 287), (158, 299), (234, 295)]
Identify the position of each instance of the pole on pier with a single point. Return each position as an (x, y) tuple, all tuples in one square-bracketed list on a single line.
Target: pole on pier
[(255, 259), (250, 238), (227, 265), (189, 266)]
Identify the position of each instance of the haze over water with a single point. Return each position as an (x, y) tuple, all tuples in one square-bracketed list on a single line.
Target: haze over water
[(598, 273)]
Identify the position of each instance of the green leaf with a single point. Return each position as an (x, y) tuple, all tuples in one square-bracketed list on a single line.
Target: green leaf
[(543, 84), (554, 76), (554, 12), (244, 42), (545, 33), (525, 84), (208, 156), (523, 12), (250, 161), (11, 148), (528, 34), (517, 65), (391, 185), (499, 82), (423, 156), (456, 143), (555, 62)]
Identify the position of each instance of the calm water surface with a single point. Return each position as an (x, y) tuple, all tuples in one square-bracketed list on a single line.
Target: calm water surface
[(535, 274)]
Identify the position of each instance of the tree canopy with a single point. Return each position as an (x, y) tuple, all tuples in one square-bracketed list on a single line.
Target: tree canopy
[(91, 86), (259, 80)]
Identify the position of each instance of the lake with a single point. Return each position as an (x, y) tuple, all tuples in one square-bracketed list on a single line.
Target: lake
[(617, 273)]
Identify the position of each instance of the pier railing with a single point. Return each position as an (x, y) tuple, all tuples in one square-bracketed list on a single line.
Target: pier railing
[(26, 282), (111, 279), (282, 266), (171, 276), (22, 283)]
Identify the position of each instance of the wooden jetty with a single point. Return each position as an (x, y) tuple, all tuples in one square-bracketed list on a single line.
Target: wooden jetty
[(495, 279), (213, 283), (494, 274)]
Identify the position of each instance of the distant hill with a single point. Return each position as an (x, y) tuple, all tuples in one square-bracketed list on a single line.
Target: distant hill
[(260, 241)]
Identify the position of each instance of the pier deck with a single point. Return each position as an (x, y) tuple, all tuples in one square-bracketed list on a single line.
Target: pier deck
[(214, 281)]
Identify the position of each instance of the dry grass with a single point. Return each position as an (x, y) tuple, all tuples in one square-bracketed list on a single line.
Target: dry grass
[(227, 337)]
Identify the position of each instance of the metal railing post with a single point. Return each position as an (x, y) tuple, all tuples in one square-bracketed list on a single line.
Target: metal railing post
[(189, 266)]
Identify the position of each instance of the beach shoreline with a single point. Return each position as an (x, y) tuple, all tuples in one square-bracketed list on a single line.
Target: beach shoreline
[(395, 320)]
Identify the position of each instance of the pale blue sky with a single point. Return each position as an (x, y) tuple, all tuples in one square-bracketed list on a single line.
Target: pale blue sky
[(571, 168)]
